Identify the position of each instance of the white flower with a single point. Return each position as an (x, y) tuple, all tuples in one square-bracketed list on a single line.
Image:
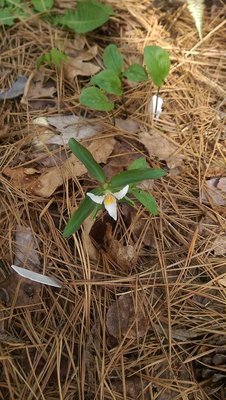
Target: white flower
[(110, 200)]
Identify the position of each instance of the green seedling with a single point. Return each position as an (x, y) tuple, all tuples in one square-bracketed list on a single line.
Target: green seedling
[(42, 5), (110, 80), (11, 10), (108, 193), (87, 16), (53, 57), (157, 62)]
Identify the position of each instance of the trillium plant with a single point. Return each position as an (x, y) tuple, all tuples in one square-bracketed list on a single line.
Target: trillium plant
[(122, 186)]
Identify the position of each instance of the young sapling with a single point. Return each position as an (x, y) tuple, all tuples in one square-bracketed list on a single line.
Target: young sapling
[(108, 193)]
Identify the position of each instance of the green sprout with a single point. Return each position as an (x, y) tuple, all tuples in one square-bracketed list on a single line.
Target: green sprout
[(53, 57), (109, 192), (110, 80)]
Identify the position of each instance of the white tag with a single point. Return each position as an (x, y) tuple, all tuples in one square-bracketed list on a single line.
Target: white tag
[(34, 276), (156, 106)]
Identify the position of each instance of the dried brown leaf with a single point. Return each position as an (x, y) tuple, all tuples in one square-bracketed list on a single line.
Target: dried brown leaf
[(79, 65), (134, 388), (36, 88), (125, 318), (215, 192), (220, 246), (159, 146)]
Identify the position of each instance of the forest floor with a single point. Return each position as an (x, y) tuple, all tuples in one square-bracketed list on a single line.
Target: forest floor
[(141, 312)]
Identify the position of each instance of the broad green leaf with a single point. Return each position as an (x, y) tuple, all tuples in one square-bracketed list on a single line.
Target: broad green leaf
[(6, 16), (146, 199), (108, 81), (54, 56), (95, 99), (157, 62), (136, 73), (139, 163), (135, 176), (87, 159), (42, 5), (84, 210), (88, 16), (113, 59), (196, 8)]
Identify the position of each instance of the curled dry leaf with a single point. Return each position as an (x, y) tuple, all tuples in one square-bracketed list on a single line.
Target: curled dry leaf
[(36, 88), (48, 181), (125, 317), (22, 178), (70, 126), (159, 146), (78, 65), (215, 192), (15, 289)]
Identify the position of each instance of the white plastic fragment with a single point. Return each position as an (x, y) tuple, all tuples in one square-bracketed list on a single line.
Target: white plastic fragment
[(34, 276), (156, 106)]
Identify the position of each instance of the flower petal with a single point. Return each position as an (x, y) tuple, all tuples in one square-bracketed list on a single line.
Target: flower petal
[(122, 193), (111, 209), (95, 198)]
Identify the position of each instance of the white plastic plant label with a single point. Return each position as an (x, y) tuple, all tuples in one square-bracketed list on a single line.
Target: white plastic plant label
[(34, 276)]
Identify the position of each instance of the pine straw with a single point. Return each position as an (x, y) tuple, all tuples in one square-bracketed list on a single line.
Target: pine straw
[(59, 348)]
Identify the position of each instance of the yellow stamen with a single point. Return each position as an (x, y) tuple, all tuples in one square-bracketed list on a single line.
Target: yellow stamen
[(109, 199)]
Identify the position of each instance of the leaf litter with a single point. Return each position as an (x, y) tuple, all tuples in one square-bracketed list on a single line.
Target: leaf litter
[(177, 283)]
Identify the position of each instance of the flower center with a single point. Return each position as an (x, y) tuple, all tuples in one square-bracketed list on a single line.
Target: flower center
[(109, 199)]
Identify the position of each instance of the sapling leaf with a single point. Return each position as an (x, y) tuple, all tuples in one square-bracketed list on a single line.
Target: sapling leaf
[(135, 176), (157, 62), (85, 208), (88, 16), (146, 199), (87, 159), (42, 5), (136, 73), (6, 16), (95, 99), (113, 59), (54, 56), (108, 81), (139, 163)]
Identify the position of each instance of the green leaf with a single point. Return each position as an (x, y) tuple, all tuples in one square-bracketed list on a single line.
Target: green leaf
[(87, 159), (54, 56), (108, 81), (158, 63), (2, 3), (84, 210), (139, 163), (135, 176), (196, 8), (136, 73), (88, 16), (113, 59), (146, 199), (6, 16), (42, 5), (95, 99)]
